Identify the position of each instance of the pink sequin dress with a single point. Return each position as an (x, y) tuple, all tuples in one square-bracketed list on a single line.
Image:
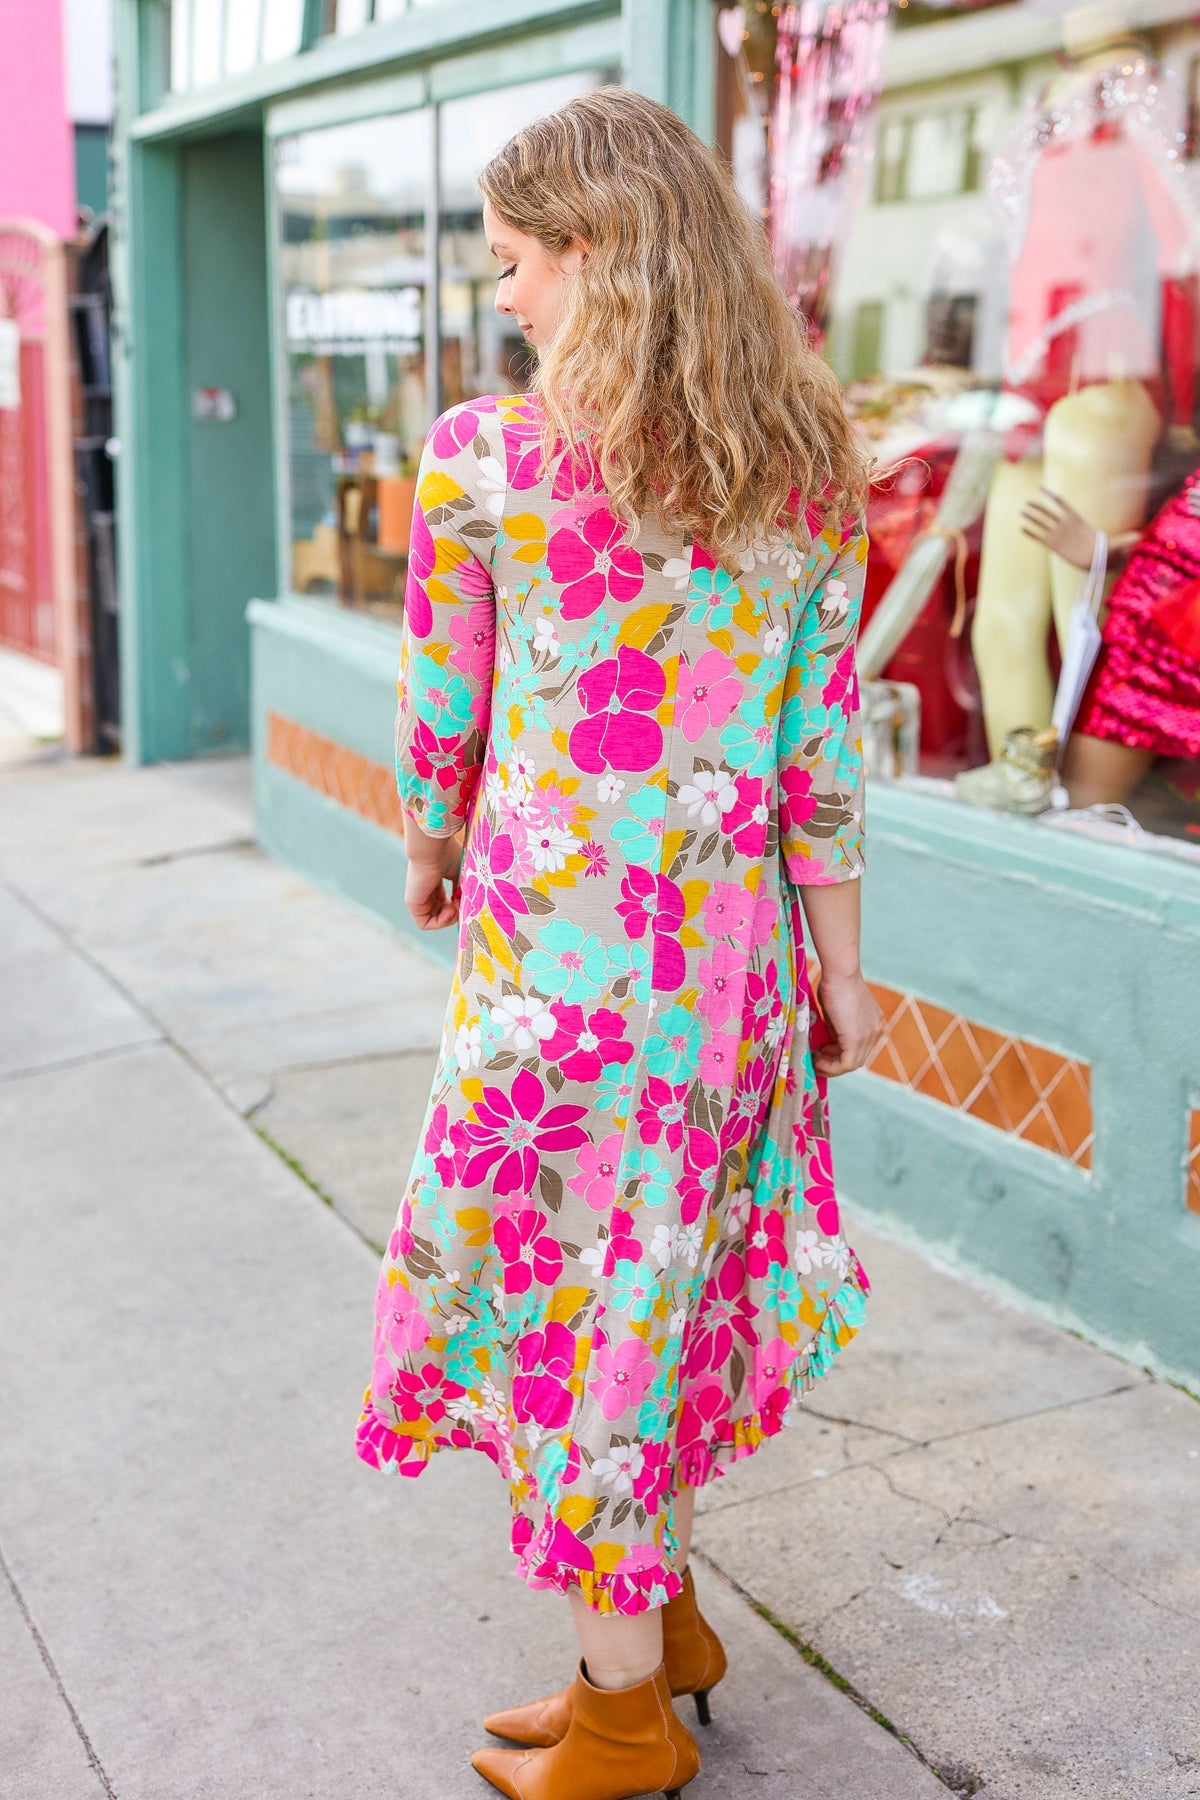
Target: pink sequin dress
[(1145, 690)]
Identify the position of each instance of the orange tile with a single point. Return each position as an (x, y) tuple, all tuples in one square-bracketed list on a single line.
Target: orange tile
[(353, 781), (1193, 1169), (986, 1108), (890, 1002), (1013, 1087), (991, 1043), (1069, 1100), (961, 1063), (909, 1042), (936, 1019), (1040, 1129), (933, 1082), (1045, 1065)]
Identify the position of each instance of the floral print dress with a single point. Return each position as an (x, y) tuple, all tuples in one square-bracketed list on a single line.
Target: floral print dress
[(618, 1260)]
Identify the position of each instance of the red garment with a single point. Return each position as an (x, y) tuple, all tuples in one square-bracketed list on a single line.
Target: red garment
[(1145, 690)]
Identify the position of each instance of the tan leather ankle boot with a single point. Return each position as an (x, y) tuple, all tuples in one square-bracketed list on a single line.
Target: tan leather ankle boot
[(693, 1657), (617, 1744)]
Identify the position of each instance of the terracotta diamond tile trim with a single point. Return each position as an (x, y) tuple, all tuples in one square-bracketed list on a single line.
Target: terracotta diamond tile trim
[(355, 782), (1192, 1192), (1004, 1081)]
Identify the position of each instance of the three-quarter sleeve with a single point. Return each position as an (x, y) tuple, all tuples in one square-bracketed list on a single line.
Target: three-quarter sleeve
[(820, 744), (447, 647)]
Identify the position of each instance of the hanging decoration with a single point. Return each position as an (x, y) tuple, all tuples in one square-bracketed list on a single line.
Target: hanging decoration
[(829, 67)]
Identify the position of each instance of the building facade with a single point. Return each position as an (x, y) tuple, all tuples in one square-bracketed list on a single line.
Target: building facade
[(303, 285)]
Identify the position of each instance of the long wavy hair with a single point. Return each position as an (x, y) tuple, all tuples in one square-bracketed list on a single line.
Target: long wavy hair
[(677, 356)]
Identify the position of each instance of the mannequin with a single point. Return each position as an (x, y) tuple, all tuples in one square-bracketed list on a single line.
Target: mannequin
[(1094, 228)]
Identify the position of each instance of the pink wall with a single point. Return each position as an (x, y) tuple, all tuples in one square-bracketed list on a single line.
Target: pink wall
[(37, 144)]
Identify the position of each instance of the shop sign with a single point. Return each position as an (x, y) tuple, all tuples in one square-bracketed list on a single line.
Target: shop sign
[(213, 405), (10, 365), (344, 321)]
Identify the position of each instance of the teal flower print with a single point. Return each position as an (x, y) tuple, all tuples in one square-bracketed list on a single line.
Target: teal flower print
[(442, 1225), (654, 1178), (640, 837), (825, 722), (570, 963), (478, 1343), (551, 1467), (634, 1289), (674, 1050), (782, 1293), (632, 960), (440, 696), (716, 594), (614, 1089), (749, 739), (849, 761)]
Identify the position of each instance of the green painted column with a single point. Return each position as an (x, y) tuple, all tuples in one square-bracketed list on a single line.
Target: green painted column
[(669, 53)]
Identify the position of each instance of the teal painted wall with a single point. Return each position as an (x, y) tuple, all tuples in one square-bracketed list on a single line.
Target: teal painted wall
[(91, 167), (231, 504)]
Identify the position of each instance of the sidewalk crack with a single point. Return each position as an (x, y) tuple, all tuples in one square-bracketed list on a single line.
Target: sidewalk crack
[(52, 1670)]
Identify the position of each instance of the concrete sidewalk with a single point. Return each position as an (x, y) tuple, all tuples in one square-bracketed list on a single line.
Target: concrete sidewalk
[(983, 1526)]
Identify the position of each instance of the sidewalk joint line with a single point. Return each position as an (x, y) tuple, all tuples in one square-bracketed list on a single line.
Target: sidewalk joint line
[(220, 848), (824, 1667), (81, 1062), (52, 1670)]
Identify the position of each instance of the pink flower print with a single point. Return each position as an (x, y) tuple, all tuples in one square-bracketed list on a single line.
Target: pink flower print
[(622, 1375), (436, 759), (438, 1144), (402, 1323), (596, 1181), (722, 983), (401, 1241), (725, 1308), (655, 1476), (718, 1058), (704, 1407), (619, 695), (622, 1245), (475, 637), (545, 1362), (381, 1447), (766, 917), (549, 804), (828, 1218), (762, 1002), (771, 1364), (728, 910), (765, 1248), (706, 694), (423, 1395), (700, 1155), (523, 453), (528, 1249), (797, 802), (595, 857), (590, 563), (488, 883), (454, 431), (508, 1133), (583, 1044), (662, 1111), (746, 821), (751, 1096), (655, 901)]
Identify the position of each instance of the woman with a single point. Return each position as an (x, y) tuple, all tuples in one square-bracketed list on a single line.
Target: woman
[(628, 672)]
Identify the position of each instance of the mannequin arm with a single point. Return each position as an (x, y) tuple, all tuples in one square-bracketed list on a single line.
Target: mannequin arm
[(1049, 520)]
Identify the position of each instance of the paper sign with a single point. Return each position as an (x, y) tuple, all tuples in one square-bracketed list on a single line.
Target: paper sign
[(10, 364)]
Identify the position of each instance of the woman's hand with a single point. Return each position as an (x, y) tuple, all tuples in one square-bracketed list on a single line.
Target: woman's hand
[(432, 862), (1049, 520), (853, 1022)]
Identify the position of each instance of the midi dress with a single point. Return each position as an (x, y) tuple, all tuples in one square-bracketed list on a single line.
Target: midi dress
[(618, 1260)]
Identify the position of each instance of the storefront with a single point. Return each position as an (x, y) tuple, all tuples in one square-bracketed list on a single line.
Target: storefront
[(991, 214)]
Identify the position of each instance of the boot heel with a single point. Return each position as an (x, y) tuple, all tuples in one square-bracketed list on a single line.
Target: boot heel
[(702, 1712)]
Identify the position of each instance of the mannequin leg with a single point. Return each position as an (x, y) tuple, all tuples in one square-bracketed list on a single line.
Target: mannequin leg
[(1012, 610), (1098, 446), (1096, 771)]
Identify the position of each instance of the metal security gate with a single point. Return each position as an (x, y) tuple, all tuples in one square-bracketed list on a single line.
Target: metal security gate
[(37, 550)]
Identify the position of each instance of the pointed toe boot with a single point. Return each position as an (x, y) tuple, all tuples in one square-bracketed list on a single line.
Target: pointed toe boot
[(693, 1657), (618, 1744)]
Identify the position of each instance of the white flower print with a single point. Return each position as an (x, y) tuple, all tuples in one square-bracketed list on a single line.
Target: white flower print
[(690, 1243), (493, 485), (550, 846), (521, 772), (620, 1470), (545, 638), (677, 1321), (739, 1206), (812, 1252), (774, 640), (838, 1252), (493, 1402), (468, 1045), (455, 1323), (663, 1245), (524, 1019), (610, 787), (493, 789), (837, 595), (679, 570), (710, 794), (593, 1259), (503, 657)]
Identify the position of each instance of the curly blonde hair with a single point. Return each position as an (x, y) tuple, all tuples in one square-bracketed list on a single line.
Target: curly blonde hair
[(677, 355)]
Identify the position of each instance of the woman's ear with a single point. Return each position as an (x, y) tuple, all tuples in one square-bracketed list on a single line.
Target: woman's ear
[(574, 256)]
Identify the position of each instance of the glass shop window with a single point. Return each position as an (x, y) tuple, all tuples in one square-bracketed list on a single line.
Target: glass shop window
[(1001, 260), (353, 260), (208, 40), (364, 382), (482, 352)]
